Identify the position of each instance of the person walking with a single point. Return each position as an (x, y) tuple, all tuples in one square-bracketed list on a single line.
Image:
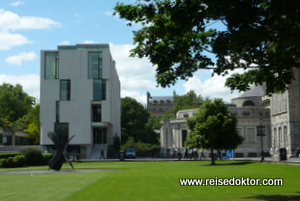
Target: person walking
[(102, 154), (186, 153), (220, 154)]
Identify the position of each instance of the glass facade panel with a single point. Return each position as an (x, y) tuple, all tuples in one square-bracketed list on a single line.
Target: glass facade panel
[(96, 113), (57, 111), (99, 135), (65, 89), (95, 65), (99, 89), (51, 65)]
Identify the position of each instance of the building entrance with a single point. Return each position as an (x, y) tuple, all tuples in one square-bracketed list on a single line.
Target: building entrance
[(99, 135)]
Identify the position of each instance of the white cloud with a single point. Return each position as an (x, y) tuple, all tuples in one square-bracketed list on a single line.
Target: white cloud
[(64, 43), (89, 42), (131, 66), (23, 56), (11, 22), (16, 3), (8, 40), (135, 74), (213, 87), (140, 98), (29, 82)]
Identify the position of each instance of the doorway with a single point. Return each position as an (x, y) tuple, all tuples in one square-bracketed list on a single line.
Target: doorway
[(99, 135)]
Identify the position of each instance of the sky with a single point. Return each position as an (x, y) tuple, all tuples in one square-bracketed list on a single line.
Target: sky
[(29, 26)]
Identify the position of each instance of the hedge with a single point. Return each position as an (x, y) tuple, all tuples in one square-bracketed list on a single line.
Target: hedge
[(7, 155)]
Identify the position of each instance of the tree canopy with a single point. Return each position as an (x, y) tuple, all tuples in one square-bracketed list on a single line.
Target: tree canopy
[(14, 103), (190, 100), (19, 112), (213, 127), (134, 118), (259, 35)]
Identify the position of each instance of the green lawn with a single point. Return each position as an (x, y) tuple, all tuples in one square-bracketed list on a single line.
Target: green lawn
[(151, 181)]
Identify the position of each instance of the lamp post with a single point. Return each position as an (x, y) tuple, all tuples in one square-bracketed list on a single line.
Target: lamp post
[(261, 133)]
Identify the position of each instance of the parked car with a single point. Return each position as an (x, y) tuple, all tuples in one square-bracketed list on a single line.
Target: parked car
[(130, 153)]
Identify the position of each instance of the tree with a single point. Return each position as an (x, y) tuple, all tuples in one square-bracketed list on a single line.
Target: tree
[(33, 127), (14, 103), (188, 101), (259, 35), (213, 127), (134, 118), (19, 112), (116, 143)]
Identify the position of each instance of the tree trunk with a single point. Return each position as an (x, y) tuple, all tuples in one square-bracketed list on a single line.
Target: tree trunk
[(212, 156)]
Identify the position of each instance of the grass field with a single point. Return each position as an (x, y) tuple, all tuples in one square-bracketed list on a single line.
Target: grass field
[(151, 181)]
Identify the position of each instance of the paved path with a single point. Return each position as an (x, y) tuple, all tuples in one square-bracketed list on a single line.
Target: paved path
[(257, 159)]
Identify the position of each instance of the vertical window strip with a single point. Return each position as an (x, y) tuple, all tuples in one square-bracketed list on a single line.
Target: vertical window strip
[(57, 111), (65, 90), (94, 65), (51, 65)]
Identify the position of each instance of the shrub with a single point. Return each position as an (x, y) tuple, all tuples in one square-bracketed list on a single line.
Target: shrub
[(47, 157), (6, 155), (10, 162), (33, 156), (3, 163), (19, 161)]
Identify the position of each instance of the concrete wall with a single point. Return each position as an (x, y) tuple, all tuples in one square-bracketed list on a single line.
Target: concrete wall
[(73, 65)]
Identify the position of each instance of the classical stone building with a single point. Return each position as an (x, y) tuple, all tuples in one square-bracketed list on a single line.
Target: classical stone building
[(285, 117), (250, 114), (160, 105)]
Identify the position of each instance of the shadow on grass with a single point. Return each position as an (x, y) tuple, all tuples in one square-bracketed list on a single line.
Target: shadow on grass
[(276, 197), (231, 163)]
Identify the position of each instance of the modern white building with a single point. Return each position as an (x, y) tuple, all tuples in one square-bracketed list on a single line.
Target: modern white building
[(80, 95)]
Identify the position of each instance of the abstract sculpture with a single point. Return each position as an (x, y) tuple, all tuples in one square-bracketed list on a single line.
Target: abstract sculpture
[(60, 155)]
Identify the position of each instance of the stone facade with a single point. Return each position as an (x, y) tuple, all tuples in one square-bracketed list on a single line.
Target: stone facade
[(250, 114), (285, 117), (160, 105)]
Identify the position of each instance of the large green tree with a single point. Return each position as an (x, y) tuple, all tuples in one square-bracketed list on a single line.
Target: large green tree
[(134, 118), (262, 35), (14, 103), (18, 111), (213, 127)]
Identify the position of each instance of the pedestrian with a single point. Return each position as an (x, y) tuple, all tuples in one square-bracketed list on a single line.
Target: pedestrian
[(186, 153), (102, 154), (195, 153), (271, 152), (220, 154), (296, 155), (202, 154)]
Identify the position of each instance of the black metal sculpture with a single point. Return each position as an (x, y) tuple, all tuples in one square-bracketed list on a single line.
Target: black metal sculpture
[(60, 155)]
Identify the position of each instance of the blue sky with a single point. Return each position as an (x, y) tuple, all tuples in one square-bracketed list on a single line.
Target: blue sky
[(29, 26)]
